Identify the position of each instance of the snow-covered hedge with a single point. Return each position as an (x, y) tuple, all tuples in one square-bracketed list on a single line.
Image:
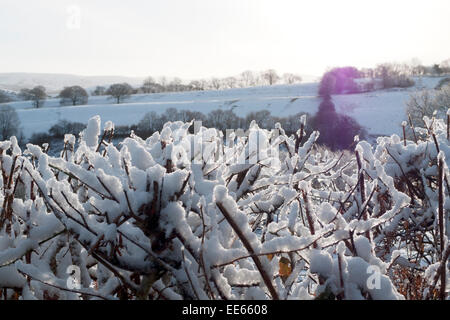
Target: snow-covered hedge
[(185, 216)]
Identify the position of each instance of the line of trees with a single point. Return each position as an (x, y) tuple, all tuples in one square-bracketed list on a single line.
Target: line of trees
[(76, 95), (344, 80), (72, 95), (219, 119), (245, 79), (152, 122), (413, 68), (336, 81), (338, 130)]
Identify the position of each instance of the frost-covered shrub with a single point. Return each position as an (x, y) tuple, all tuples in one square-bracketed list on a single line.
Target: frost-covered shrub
[(182, 215), (427, 103)]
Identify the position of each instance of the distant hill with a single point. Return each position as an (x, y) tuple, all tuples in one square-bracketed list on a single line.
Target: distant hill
[(55, 82)]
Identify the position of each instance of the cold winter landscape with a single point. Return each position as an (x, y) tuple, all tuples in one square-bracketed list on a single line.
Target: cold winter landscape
[(296, 173)]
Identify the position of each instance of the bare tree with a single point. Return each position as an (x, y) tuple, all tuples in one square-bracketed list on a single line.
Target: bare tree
[(223, 119), (172, 114), (437, 69), (149, 123), (74, 95), (247, 78), (216, 83), (120, 91), (416, 67), (197, 85), (291, 78), (37, 95), (394, 75), (163, 81), (187, 115), (149, 85), (203, 84), (9, 122), (442, 97), (230, 82), (263, 118), (271, 76), (175, 85), (426, 102)]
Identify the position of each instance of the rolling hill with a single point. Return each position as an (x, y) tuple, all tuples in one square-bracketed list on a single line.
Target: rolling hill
[(380, 112)]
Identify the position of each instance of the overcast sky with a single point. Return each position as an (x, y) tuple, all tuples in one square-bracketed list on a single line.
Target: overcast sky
[(204, 38)]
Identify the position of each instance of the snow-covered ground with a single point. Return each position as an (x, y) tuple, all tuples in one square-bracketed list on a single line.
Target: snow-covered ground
[(380, 112)]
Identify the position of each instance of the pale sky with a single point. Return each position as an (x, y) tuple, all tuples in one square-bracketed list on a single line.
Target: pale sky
[(204, 38)]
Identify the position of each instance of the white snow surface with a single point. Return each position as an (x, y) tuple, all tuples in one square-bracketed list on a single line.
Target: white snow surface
[(380, 112)]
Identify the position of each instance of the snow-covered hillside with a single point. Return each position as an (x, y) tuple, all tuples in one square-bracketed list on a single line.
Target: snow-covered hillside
[(380, 112)]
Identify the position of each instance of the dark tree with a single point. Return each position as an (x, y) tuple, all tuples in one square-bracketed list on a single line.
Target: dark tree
[(337, 131), (437, 69), (99, 91), (149, 124), (215, 83), (327, 85), (4, 97), (120, 91), (346, 130), (75, 95), (271, 76), (9, 122), (291, 78), (263, 118), (64, 127), (385, 71), (325, 122), (197, 85), (149, 85), (223, 119), (37, 95), (339, 81)]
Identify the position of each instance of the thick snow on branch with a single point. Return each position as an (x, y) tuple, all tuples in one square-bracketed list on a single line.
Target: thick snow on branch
[(185, 215)]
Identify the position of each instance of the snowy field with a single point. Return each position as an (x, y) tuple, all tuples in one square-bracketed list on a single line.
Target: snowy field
[(380, 112)]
